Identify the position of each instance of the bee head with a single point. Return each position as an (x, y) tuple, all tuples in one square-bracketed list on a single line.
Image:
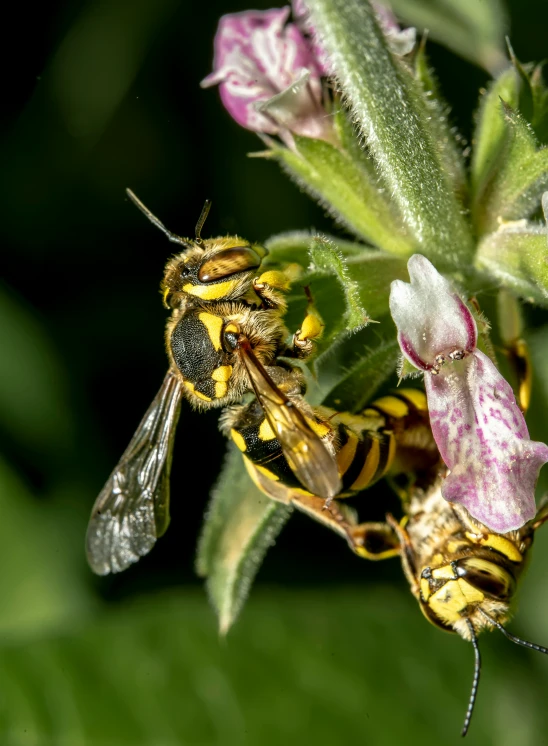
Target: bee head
[(474, 591), (212, 269)]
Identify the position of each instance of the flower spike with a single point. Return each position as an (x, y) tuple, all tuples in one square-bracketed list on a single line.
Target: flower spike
[(477, 425)]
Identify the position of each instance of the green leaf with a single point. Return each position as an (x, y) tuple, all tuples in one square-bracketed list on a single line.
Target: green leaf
[(517, 188), (491, 131), (40, 586), (357, 385), (294, 246), (540, 103), (33, 406), (446, 137), (516, 257), (326, 258), (390, 110), (296, 670), (349, 193), (352, 288), (473, 29), (241, 524)]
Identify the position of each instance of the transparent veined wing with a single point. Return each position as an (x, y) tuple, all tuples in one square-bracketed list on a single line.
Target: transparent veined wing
[(132, 509), (308, 458)]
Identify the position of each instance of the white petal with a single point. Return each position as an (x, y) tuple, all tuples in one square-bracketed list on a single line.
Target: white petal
[(431, 317)]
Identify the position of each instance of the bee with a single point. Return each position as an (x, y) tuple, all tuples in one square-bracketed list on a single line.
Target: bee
[(463, 575), (223, 340)]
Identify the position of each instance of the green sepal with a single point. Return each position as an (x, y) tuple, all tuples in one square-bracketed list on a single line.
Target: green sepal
[(325, 257), (526, 98), (540, 100), (475, 30), (490, 131), (347, 290), (350, 193), (516, 191), (515, 256), (390, 111), (240, 525), (294, 246)]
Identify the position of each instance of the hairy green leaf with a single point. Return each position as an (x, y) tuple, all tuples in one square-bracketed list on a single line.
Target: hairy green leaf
[(393, 117), (350, 193), (346, 290), (516, 190), (445, 135), (515, 256), (294, 246), (491, 132), (473, 29), (241, 524), (326, 258)]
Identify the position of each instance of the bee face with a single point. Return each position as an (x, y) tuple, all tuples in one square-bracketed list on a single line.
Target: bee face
[(458, 590), (212, 270)]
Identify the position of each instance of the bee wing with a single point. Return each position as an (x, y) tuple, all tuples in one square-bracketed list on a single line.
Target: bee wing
[(306, 454), (132, 509)]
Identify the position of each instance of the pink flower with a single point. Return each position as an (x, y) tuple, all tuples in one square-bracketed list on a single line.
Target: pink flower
[(476, 422), (400, 41), (268, 77)]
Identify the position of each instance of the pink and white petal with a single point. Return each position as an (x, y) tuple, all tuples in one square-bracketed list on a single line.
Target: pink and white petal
[(259, 56), (482, 437), (237, 38), (297, 109), (431, 318), (402, 42)]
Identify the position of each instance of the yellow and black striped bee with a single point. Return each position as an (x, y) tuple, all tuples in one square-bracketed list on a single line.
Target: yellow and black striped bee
[(223, 340), (463, 575)]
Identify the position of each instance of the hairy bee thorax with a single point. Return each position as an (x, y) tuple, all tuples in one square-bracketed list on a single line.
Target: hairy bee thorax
[(213, 373), (458, 570)]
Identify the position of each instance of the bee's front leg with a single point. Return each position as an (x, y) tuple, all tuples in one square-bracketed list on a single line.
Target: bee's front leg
[(269, 288), (303, 339)]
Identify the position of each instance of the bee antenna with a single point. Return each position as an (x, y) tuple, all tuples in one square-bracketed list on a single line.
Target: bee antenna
[(513, 638), (475, 681), (201, 220), (154, 220)]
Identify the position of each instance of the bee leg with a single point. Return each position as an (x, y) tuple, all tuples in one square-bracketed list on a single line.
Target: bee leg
[(374, 541), (303, 339), (369, 540), (269, 286), (406, 551), (519, 358)]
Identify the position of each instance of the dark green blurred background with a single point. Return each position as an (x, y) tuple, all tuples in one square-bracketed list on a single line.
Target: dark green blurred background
[(99, 96)]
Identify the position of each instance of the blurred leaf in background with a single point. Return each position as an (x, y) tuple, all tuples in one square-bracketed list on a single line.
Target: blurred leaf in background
[(100, 96)]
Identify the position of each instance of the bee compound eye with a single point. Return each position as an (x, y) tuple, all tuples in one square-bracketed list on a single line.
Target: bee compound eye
[(231, 333), (488, 577), (229, 262)]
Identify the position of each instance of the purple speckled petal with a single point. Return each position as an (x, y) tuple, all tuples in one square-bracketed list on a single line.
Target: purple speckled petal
[(258, 56), (431, 317), (482, 437)]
